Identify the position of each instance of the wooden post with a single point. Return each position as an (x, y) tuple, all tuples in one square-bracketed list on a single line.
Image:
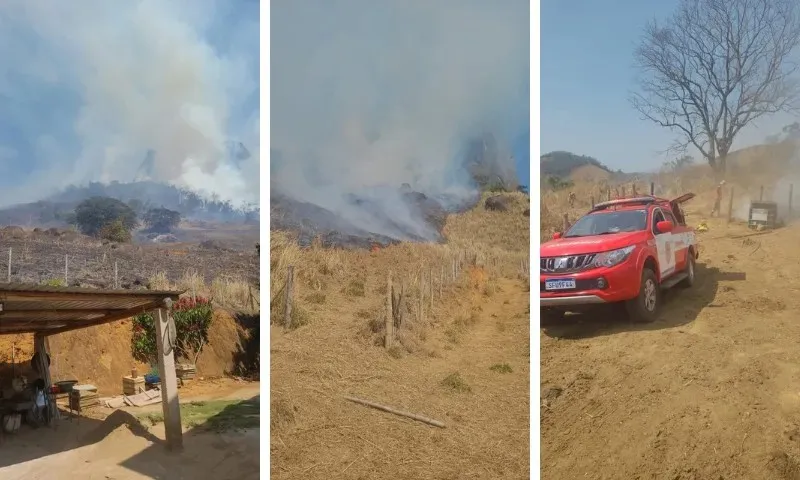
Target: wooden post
[(592, 201), (566, 223), (430, 290), (652, 188), (633, 189), (608, 191), (287, 313), (441, 282), (9, 265), (388, 337), (165, 328), (761, 194), (40, 347), (66, 270), (116, 275), (623, 191), (730, 206), (791, 191), (421, 314)]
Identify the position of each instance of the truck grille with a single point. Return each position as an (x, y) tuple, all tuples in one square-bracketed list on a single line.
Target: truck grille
[(572, 263)]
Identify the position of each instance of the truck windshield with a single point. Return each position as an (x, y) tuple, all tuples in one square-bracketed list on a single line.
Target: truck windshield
[(602, 223)]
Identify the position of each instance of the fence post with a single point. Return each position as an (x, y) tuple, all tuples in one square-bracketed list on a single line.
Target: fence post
[(608, 192), (421, 315), (430, 290), (761, 194), (652, 188), (791, 192), (441, 282), (287, 314), (566, 223), (592, 201), (116, 275), (633, 190), (388, 337), (9, 265), (730, 206), (66, 270)]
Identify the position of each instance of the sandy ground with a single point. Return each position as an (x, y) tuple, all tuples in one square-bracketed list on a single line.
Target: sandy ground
[(112, 445), (316, 434), (709, 391)]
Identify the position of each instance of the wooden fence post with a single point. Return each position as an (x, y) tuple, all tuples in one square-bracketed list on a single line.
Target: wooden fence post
[(608, 192), (287, 313), (430, 290), (761, 194), (652, 188), (66, 270), (389, 324), (730, 206), (566, 223), (633, 189), (592, 201), (9, 265), (116, 275)]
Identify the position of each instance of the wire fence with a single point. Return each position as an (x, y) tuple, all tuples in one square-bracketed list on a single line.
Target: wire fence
[(28, 259)]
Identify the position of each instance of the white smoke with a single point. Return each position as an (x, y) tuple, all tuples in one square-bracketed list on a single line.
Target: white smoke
[(91, 85), (366, 96)]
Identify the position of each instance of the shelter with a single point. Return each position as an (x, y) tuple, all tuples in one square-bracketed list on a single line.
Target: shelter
[(44, 311)]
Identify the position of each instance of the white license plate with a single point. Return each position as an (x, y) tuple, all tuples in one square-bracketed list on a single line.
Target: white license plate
[(566, 284)]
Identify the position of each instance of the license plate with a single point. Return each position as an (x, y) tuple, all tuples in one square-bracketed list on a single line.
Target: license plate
[(565, 284)]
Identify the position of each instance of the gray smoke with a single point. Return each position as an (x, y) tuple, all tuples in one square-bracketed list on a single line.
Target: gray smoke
[(367, 96), (89, 86)]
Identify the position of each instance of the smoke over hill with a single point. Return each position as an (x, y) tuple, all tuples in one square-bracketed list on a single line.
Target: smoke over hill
[(152, 89), (367, 98)]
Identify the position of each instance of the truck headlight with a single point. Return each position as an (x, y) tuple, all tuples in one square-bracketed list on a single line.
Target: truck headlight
[(614, 257)]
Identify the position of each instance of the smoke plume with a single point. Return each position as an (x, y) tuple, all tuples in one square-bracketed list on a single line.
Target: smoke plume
[(367, 96), (89, 87)]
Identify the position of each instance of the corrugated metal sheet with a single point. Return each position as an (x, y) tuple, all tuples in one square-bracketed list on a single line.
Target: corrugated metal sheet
[(43, 309)]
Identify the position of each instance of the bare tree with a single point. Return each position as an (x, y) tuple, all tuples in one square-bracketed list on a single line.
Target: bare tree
[(716, 66)]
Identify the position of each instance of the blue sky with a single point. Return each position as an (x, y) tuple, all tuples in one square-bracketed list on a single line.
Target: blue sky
[(88, 88), (586, 76)]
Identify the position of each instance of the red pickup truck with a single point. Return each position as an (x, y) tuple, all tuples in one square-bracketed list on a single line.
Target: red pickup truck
[(626, 250)]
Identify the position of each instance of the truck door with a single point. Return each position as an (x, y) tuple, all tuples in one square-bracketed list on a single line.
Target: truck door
[(664, 248)]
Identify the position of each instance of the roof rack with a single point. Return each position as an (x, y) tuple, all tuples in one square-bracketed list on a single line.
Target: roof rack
[(643, 200)]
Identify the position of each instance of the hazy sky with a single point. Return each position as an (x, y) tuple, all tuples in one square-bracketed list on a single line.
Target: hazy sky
[(88, 86), (586, 76)]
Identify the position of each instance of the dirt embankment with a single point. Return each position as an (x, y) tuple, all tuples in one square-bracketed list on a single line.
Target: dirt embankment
[(708, 391), (102, 355)]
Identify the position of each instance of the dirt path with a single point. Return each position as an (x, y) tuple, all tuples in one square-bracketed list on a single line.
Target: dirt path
[(711, 390), (119, 448), (318, 435)]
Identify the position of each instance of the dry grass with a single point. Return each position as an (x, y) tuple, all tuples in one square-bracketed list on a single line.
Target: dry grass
[(227, 291), (497, 243), (748, 170)]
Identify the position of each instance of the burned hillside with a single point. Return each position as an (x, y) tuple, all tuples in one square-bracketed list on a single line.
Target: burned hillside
[(423, 219)]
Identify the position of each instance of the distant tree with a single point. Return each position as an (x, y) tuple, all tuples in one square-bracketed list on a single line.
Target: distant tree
[(92, 214), (523, 189), (679, 163), (161, 219), (717, 66), (115, 232)]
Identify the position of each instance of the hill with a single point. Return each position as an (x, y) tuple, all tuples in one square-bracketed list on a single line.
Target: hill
[(461, 342), (562, 164)]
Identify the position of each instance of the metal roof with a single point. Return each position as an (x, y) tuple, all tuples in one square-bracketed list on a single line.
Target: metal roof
[(50, 310)]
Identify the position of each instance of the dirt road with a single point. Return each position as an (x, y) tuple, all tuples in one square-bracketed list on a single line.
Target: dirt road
[(318, 435), (710, 391)]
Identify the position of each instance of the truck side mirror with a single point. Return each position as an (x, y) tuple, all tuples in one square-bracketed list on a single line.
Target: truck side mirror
[(556, 235), (664, 226)]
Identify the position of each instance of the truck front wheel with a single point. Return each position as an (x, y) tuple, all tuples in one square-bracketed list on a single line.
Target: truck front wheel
[(646, 306)]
